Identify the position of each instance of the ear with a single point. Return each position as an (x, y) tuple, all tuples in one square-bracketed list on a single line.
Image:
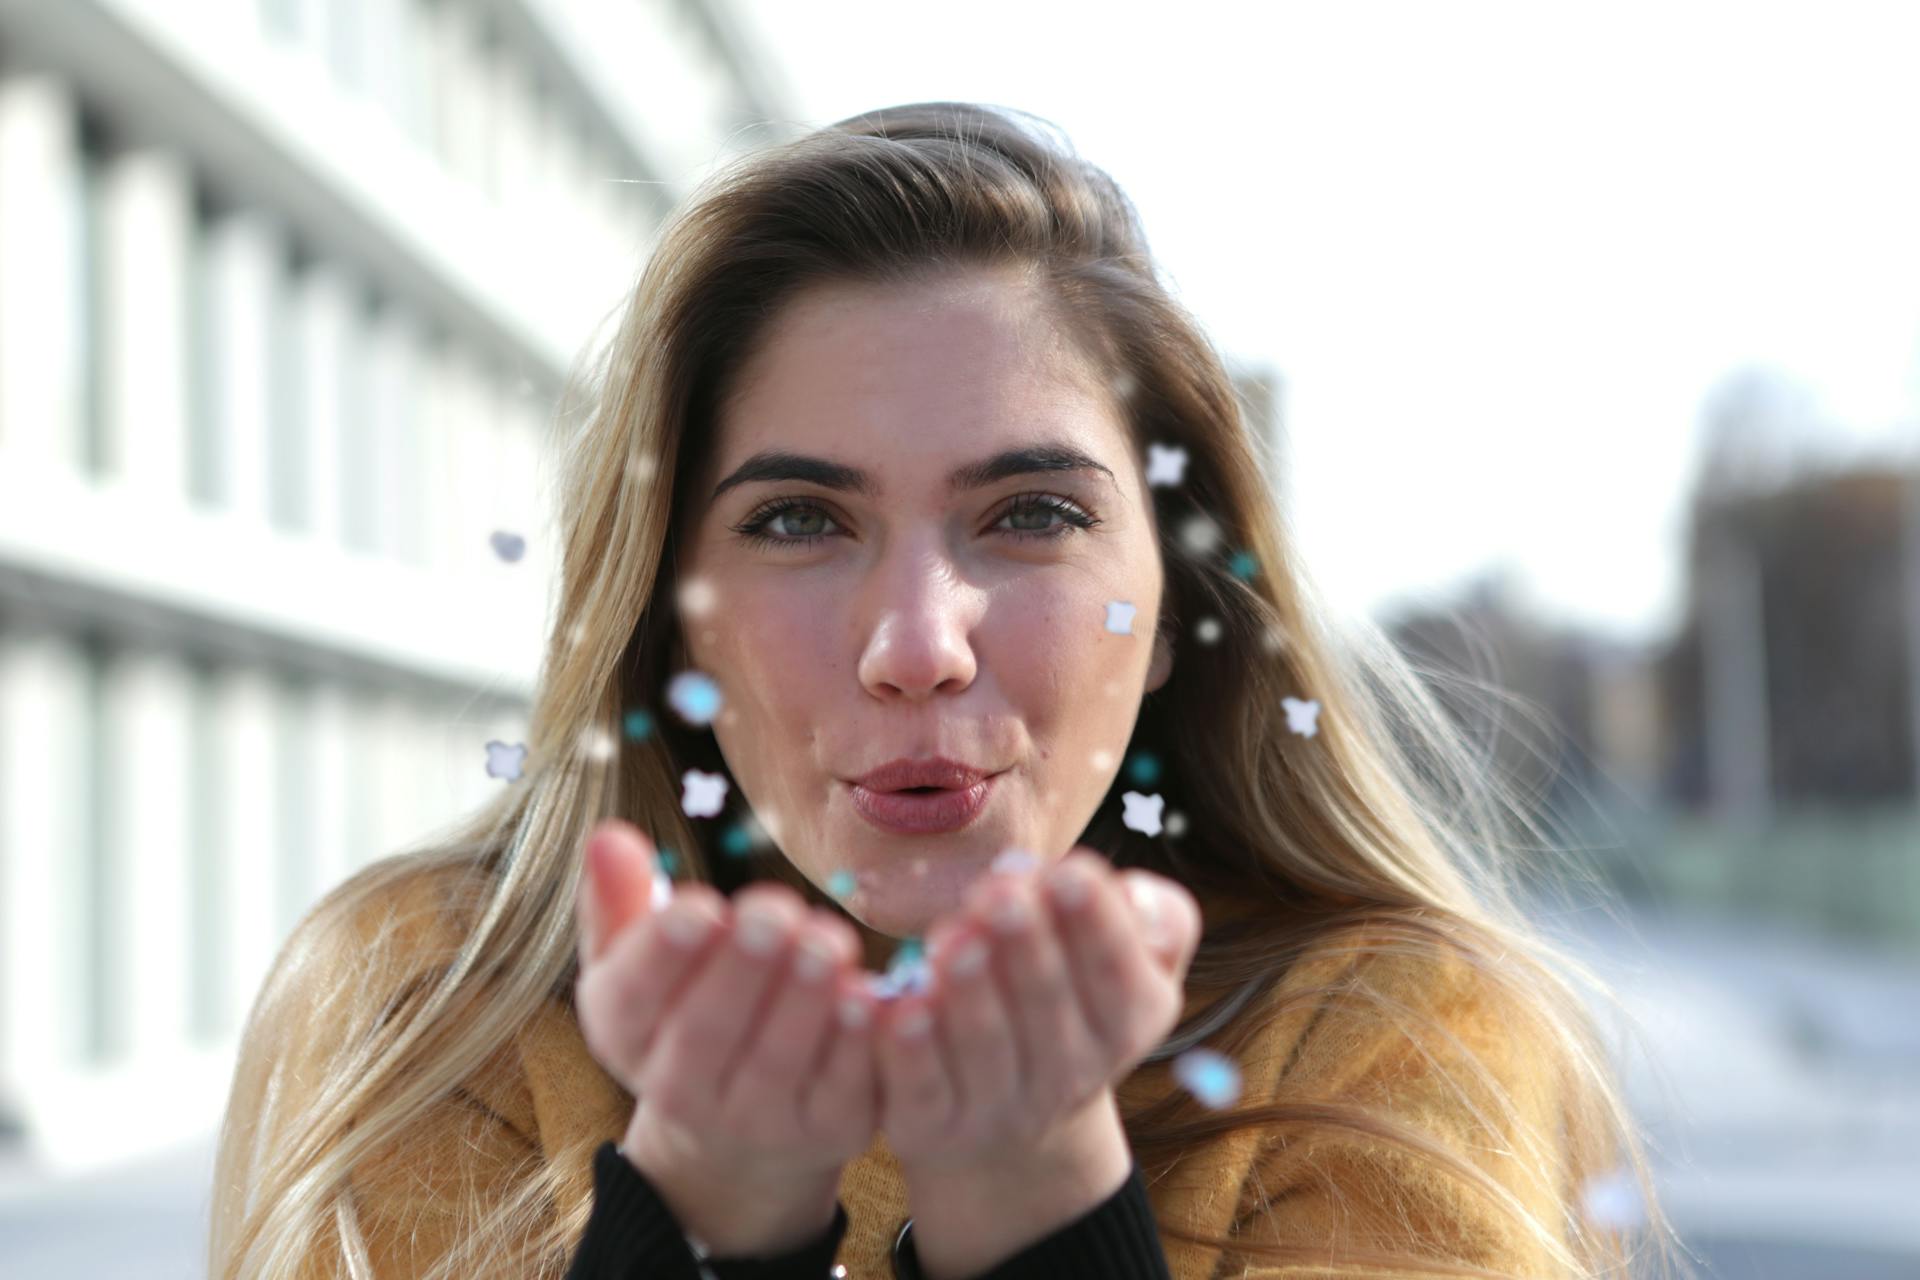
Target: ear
[(1162, 665)]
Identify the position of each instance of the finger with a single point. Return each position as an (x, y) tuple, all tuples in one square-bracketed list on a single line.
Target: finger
[(1058, 1051), (976, 1023), (1129, 999), (1167, 915), (623, 995), (701, 1043), (618, 886), (844, 1102), (916, 1095), (777, 1064)]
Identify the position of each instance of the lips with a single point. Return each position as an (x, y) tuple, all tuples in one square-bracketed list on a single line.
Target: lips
[(934, 771), (923, 813)]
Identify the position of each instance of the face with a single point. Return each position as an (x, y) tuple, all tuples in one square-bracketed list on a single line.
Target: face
[(875, 609)]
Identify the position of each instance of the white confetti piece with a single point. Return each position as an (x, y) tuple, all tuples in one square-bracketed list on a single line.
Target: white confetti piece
[(1165, 465), (1302, 717), (1143, 812), (704, 793), (1120, 617), (505, 760)]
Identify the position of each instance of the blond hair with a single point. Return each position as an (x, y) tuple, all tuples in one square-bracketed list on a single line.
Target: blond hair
[(1384, 818)]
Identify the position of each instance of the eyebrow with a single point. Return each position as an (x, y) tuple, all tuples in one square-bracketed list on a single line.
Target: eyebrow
[(777, 464)]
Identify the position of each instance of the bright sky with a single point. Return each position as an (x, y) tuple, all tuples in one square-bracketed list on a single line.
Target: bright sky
[(1500, 252)]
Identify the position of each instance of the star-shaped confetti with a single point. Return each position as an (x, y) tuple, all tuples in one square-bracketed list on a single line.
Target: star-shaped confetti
[(1208, 1076), (504, 761), (703, 794), (908, 974), (508, 546), (639, 725), (1143, 812), (694, 696), (1302, 717), (1120, 617), (1165, 465)]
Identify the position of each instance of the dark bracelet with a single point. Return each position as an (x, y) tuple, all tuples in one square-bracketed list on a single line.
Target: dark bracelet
[(906, 1263)]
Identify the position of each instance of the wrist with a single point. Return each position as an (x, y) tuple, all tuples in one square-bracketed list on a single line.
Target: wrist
[(967, 1220), (734, 1215)]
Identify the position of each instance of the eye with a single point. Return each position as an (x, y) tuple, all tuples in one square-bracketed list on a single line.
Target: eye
[(754, 528)]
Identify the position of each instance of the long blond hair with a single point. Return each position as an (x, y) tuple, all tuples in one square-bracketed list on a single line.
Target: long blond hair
[(1385, 817)]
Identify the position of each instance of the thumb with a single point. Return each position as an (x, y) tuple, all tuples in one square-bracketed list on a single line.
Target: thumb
[(618, 886)]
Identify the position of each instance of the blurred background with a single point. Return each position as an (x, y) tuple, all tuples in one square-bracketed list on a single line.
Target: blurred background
[(1585, 343)]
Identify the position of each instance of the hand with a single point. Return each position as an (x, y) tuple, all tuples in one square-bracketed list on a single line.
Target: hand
[(1030, 1044), (749, 1091)]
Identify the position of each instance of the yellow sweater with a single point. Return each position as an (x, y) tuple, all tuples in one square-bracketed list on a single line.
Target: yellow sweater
[(545, 1096)]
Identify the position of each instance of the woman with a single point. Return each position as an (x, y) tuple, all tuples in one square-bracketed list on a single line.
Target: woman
[(902, 452)]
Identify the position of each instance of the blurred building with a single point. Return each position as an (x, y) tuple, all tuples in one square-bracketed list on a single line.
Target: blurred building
[(287, 291), (1793, 681)]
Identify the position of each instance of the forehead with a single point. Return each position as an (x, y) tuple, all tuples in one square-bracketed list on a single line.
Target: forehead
[(908, 381)]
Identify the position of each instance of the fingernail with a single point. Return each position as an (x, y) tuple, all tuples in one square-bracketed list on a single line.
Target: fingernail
[(1009, 914), (685, 927), (913, 1024), (853, 1013), (1068, 885), (1147, 903), (812, 959), (970, 959), (758, 931)]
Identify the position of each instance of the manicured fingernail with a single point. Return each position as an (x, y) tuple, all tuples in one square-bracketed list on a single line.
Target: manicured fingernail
[(1009, 915), (969, 959), (685, 927), (1068, 885), (1147, 903), (812, 959), (757, 931), (913, 1023)]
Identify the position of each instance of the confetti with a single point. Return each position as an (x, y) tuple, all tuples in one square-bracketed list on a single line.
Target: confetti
[(1612, 1200), (1101, 760), (694, 697), (504, 761), (1302, 716), (738, 841), (704, 793), (1144, 769), (1242, 566), (697, 597), (639, 725), (662, 889), (841, 885), (908, 974), (1143, 812), (1120, 617), (1207, 630), (1199, 534), (640, 467), (1176, 823), (508, 546), (1165, 465), (1208, 1076), (597, 744)]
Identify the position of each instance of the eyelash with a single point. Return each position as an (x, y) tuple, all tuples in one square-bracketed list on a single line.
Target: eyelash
[(752, 528)]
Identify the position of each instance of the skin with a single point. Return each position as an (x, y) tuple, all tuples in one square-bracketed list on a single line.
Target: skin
[(920, 621)]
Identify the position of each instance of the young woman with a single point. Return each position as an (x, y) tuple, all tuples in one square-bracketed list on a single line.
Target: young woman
[(905, 464)]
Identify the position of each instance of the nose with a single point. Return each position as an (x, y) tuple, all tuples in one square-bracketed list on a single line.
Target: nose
[(920, 616)]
